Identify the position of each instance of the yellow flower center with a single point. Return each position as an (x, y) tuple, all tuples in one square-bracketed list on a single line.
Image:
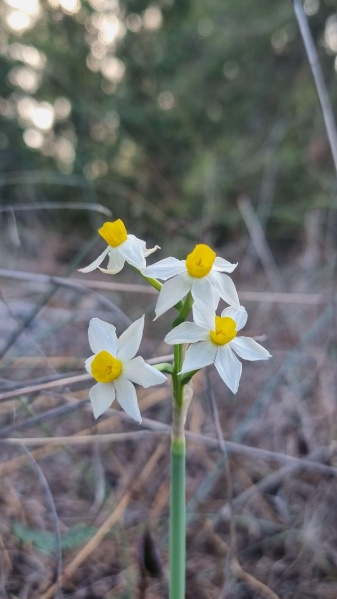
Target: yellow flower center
[(199, 262), (114, 233), (225, 330), (105, 368)]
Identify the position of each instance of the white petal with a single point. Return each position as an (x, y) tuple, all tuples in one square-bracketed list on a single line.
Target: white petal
[(203, 317), (238, 314), (248, 349), (222, 265), (165, 269), (199, 355), (129, 341), (88, 363), (141, 373), (116, 262), (95, 263), (202, 291), (172, 292), (127, 398), (229, 367), (187, 332), (133, 252), (101, 396), (205, 294), (149, 251), (227, 289), (102, 336)]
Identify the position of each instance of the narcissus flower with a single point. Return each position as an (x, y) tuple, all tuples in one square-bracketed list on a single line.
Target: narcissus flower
[(201, 273), (121, 248), (213, 340), (115, 368)]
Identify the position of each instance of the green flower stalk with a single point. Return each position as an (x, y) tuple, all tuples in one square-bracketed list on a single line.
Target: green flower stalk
[(178, 495)]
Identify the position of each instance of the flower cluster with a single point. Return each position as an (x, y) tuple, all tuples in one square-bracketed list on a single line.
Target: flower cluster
[(202, 280)]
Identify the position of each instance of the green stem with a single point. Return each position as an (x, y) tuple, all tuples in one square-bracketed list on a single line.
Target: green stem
[(176, 379), (184, 310), (177, 520), (151, 281), (181, 402)]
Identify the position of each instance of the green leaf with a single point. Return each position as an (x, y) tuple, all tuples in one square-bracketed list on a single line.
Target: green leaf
[(45, 540)]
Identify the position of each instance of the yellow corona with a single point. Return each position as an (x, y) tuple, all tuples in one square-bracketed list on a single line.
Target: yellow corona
[(225, 330), (105, 368), (114, 233), (199, 262)]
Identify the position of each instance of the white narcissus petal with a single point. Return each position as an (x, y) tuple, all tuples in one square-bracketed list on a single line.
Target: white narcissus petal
[(129, 341), (102, 336), (238, 314), (187, 332), (222, 265), (199, 355), (132, 251), (127, 398), (227, 289), (137, 371), (205, 294), (148, 251), (165, 269), (101, 396), (172, 292), (88, 363), (229, 367), (248, 349), (203, 316), (96, 263), (116, 262)]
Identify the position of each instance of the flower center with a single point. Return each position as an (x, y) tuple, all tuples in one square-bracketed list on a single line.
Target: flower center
[(105, 368), (199, 262), (114, 233), (225, 330)]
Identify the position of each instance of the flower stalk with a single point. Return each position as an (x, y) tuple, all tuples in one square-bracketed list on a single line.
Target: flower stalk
[(178, 495), (177, 519)]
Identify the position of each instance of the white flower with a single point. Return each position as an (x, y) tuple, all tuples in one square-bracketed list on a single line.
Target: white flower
[(115, 368), (213, 341), (201, 273), (121, 248)]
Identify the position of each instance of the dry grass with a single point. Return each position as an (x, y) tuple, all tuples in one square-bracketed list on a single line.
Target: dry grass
[(77, 495)]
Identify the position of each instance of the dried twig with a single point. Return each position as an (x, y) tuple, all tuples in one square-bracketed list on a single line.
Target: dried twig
[(253, 296), (56, 206), (85, 437), (328, 115), (259, 241)]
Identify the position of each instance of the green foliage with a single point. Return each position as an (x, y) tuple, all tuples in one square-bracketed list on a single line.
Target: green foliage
[(45, 540), (186, 127)]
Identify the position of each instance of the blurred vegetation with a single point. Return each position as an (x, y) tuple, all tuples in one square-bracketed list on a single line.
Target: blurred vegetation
[(166, 112)]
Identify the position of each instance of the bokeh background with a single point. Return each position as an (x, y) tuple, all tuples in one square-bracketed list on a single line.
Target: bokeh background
[(193, 122)]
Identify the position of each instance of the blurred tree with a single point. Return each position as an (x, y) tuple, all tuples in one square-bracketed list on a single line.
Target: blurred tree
[(166, 111)]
